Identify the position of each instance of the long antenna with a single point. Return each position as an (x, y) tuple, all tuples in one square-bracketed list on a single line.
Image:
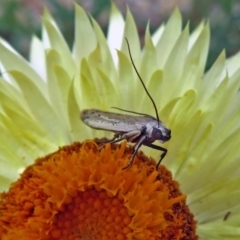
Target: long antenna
[(154, 105)]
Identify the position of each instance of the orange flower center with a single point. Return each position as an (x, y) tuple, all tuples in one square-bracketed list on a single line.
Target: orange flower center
[(80, 192), (92, 215)]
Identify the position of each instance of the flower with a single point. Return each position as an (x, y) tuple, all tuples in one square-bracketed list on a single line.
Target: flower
[(41, 100), (77, 193)]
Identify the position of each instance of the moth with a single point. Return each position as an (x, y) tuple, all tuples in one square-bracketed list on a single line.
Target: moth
[(140, 129)]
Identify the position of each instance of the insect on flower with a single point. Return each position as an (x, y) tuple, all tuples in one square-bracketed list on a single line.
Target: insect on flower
[(140, 130)]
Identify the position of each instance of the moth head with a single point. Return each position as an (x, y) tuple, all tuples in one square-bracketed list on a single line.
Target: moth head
[(161, 133)]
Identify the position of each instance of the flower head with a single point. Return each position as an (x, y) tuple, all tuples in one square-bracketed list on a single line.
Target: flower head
[(79, 193), (41, 101)]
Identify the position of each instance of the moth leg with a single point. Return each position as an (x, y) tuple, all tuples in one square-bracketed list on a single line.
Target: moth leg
[(105, 141), (113, 140), (134, 134), (164, 150), (136, 148), (131, 136)]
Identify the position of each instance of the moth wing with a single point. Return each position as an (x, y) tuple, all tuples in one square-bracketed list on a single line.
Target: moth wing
[(110, 121)]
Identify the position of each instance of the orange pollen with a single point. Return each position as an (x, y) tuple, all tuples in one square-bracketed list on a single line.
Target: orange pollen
[(82, 193)]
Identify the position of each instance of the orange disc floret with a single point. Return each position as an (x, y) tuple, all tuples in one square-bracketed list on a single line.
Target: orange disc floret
[(80, 192)]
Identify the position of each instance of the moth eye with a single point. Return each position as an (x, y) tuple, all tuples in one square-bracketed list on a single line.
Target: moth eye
[(157, 134)]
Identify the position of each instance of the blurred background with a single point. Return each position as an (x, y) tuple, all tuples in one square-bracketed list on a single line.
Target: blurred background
[(20, 19)]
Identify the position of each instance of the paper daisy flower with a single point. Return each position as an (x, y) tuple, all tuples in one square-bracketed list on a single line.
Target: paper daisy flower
[(75, 191)]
